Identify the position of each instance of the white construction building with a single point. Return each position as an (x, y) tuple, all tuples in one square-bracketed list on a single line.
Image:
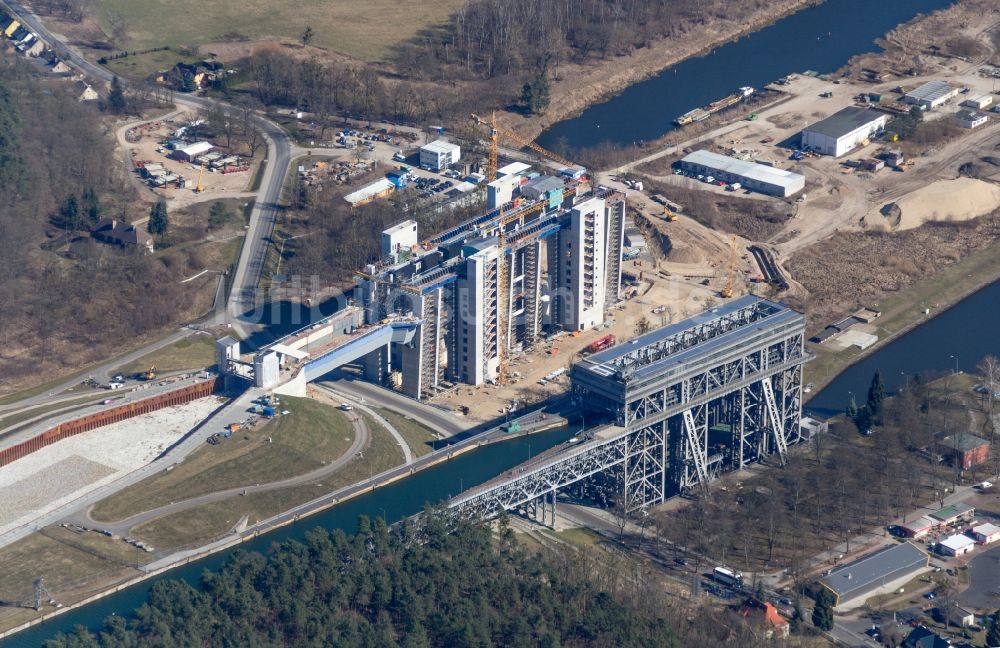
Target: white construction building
[(399, 238), (751, 175), (579, 283), (477, 358), (931, 94), (438, 155), (844, 130)]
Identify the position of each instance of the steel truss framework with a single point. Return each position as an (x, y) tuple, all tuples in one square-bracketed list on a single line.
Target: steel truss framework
[(681, 430)]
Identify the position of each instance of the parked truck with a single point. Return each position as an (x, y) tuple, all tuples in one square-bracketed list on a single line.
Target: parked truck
[(601, 344)]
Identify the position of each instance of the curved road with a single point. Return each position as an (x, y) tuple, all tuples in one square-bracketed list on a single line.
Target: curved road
[(362, 439), (403, 445), (242, 295)]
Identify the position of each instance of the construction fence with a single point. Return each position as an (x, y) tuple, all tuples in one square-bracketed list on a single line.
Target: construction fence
[(106, 417)]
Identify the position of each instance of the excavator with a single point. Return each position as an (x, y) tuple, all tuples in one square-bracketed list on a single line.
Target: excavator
[(149, 374)]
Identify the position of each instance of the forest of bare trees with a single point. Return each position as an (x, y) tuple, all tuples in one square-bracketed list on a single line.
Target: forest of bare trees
[(66, 299)]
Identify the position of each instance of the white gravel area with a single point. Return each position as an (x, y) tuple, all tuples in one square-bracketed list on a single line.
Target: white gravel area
[(68, 469)]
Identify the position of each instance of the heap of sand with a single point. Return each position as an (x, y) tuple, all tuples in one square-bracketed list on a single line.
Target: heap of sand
[(948, 200)]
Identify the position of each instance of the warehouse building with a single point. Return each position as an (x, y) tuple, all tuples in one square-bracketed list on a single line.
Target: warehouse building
[(751, 175), (844, 131), (368, 193), (956, 545), (978, 102), (919, 528), (191, 151), (931, 94), (439, 155), (878, 573)]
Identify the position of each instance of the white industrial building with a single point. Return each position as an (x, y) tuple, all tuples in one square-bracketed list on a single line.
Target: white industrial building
[(438, 155), (931, 94), (956, 545), (751, 175), (399, 238), (368, 193), (971, 119), (844, 130), (978, 102), (191, 151), (985, 533)]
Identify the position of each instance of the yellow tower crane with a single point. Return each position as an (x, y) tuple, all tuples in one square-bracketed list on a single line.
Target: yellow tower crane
[(503, 221), (727, 291)]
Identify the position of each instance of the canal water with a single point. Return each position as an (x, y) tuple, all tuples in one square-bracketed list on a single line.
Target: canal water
[(821, 38), (393, 502), (957, 339)]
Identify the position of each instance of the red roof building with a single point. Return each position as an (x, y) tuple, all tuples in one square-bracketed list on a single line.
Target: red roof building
[(764, 614)]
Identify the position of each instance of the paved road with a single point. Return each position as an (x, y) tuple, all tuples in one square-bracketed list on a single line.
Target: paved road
[(403, 445), (430, 416), (262, 219), (362, 439), (100, 373), (984, 586)]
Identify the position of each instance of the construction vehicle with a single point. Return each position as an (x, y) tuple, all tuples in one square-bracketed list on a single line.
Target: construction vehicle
[(600, 344), (198, 188), (670, 216), (149, 374), (506, 219), (727, 290)]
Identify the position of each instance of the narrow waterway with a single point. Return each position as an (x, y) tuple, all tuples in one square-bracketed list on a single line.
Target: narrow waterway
[(821, 38), (957, 339), (393, 502)]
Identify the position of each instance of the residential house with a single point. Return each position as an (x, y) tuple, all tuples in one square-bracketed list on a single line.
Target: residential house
[(88, 94), (116, 232), (35, 49), (967, 450), (921, 637), (765, 616), (61, 68)]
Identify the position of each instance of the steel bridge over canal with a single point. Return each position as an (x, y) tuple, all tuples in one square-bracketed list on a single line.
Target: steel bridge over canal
[(691, 400)]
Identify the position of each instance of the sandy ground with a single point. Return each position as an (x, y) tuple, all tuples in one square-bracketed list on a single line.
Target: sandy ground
[(70, 468), (948, 200), (216, 184)]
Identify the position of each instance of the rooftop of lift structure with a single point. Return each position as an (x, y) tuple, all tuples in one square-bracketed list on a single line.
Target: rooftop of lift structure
[(690, 340)]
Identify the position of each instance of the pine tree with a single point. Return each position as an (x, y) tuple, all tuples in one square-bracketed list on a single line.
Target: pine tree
[(307, 36), (993, 631), (535, 95), (822, 616), (852, 409), (70, 213), (158, 220), (91, 206), (876, 394), (116, 100), (797, 617)]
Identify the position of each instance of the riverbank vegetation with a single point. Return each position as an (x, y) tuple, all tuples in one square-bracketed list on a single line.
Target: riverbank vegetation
[(383, 587)]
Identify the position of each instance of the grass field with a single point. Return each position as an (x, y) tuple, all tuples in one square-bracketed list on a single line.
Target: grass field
[(204, 523), (194, 352), (74, 566), (311, 434), (363, 30), (418, 436), (903, 310)]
